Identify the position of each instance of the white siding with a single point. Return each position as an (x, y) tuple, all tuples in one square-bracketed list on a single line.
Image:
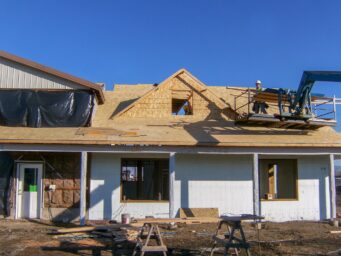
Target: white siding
[(224, 182), (105, 191), (313, 194), (14, 75), (220, 181)]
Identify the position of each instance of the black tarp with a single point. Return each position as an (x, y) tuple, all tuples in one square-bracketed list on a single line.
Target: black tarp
[(6, 167), (46, 108)]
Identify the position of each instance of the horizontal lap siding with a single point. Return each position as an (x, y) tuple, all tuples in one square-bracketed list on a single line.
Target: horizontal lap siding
[(17, 76)]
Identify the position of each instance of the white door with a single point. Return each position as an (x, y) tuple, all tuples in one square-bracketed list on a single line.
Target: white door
[(29, 190)]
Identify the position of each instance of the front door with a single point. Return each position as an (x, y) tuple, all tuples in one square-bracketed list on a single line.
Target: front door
[(29, 190)]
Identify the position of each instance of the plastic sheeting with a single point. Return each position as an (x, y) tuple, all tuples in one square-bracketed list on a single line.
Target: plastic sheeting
[(6, 167), (46, 108)]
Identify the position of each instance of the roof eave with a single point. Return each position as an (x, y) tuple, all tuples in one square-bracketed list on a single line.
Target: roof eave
[(94, 87)]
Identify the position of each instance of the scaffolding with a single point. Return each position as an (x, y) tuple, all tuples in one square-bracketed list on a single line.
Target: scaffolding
[(322, 110)]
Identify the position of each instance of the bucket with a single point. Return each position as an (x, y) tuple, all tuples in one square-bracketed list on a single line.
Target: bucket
[(125, 218)]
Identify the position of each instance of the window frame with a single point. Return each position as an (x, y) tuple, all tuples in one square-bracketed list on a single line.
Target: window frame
[(142, 200), (296, 185)]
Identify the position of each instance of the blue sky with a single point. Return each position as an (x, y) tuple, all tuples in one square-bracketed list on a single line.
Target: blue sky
[(222, 42)]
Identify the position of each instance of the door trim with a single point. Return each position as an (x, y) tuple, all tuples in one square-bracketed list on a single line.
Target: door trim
[(40, 181)]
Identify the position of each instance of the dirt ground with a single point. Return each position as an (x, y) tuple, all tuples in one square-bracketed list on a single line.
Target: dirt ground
[(290, 238), (34, 238)]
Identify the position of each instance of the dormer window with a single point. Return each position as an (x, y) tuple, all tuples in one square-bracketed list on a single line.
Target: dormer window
[(182, 104), (181, 107)]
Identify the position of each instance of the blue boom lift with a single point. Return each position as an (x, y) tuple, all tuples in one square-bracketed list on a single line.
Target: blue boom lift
[(296, 108), (300, 106)]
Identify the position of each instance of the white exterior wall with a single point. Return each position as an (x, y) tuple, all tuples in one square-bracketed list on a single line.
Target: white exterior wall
[(14, 75), (220, 181), (313, 194), (105, 191), (207, 181)]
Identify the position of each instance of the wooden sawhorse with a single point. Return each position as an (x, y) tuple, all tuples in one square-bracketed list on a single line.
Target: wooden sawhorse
[(150, 231), (229, 239)]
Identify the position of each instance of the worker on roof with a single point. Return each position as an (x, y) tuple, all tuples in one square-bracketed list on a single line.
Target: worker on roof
[(259, 106)]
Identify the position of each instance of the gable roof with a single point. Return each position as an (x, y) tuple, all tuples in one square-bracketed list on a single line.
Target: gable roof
[(168, 132), (95, 87), (218, 101)]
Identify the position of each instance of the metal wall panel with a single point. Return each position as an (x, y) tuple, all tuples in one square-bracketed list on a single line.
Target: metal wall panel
[(14, 75)]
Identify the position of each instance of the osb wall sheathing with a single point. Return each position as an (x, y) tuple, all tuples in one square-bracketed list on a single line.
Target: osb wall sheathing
[(158, 103), (62, 170)]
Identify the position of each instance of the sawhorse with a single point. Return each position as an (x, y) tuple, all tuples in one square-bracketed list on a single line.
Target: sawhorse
[(229, 239), (153, 233)]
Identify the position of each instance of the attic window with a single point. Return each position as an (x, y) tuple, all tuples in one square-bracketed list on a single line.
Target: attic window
[(181, 107), (182, 103)]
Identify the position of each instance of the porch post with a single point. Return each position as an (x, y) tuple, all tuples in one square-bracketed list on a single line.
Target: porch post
[(84, 161), (332, 190), (255, 176), (171, 184)]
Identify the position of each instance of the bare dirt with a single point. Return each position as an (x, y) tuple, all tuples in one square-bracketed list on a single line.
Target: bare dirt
[(290, 238), (35, 238)]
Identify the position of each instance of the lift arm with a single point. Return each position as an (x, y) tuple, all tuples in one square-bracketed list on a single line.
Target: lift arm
[(302, 95)]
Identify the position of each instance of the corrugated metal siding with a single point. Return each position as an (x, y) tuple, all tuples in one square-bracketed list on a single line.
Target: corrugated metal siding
[(14, 76)]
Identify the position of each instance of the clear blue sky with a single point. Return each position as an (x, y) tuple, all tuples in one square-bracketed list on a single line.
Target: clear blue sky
[(222, 42)]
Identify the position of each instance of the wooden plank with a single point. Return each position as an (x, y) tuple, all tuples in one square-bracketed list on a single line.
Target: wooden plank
[(178, 220), (199, 212), (156, 248), (81, 229)]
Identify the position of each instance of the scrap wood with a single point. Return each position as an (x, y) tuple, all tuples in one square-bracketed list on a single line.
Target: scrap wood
[(81, 229), (335, 232)]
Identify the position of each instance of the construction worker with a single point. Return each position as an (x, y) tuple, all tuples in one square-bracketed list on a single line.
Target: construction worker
[(259, 106)]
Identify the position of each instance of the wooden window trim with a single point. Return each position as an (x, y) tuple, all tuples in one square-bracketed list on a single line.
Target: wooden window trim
[(296, 183), (121, 187)]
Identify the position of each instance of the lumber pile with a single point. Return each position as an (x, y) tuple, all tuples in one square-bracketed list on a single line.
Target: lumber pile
[(118, 232)]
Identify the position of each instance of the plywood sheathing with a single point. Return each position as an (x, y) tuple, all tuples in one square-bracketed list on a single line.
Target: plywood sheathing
[(157, 103), (169, 130)]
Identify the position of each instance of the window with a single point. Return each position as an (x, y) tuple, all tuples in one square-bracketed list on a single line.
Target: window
[(144, 179), (278, 179), (182, 102), (30, 179)]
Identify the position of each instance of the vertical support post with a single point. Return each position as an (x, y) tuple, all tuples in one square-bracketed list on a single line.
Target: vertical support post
[(248, 101), (84, 161), (171, 184), (334, 107), (255, 176), (332, 190)]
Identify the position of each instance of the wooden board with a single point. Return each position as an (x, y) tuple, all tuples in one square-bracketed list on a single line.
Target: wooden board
[(178, 220), (199, 212)]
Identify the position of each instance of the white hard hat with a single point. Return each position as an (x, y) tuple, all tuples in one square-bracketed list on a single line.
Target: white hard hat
[(258, 82)]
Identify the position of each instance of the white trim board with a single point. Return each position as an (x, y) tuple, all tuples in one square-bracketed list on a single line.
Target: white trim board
[(168, 149)]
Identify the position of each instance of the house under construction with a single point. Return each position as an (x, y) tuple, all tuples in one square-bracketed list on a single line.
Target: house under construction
[(71, 150)]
